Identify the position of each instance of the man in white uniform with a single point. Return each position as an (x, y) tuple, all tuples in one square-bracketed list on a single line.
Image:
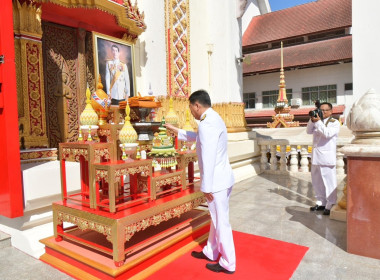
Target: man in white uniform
[(216, 180), (323, 158), (117, 78)]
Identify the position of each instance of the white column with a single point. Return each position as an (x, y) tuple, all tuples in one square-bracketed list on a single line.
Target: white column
[(283, 157), (293, 160), (273, 158), (264, 159), (339, 163), (304, 161)]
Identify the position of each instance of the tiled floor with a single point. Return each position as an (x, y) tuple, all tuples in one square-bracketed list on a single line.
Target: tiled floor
[(274, 206)]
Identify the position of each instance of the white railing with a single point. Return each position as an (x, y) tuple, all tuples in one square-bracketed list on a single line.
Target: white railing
[(279, 156)]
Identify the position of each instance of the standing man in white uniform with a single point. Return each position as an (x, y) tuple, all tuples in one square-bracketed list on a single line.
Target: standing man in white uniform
[(323, 158), (117, 78), (216, 180)]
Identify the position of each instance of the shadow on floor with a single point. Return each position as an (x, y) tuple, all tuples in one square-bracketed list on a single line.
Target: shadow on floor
[(332, 230)]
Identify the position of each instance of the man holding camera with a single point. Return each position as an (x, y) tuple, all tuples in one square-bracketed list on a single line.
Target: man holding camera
[(323, 159)]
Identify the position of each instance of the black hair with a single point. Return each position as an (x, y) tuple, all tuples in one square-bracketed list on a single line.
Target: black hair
[(201, 96), (328, 104), (116, 47)]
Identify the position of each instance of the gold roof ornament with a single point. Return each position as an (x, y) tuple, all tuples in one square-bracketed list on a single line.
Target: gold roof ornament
[(282, 118), (127, 134), (88, 116), (171, 116), (187, 126)]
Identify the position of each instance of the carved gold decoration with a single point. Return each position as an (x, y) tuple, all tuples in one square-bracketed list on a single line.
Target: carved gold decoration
[(61, 65), (29, 69), (178, 55), (180, 105), (168, 181), (27, 19), (84, 224), (101, 153), (129, 18), (103, 174), (38, 155), (74, 154), (155, 220), (90, 70), (105, 132), (232, 113)]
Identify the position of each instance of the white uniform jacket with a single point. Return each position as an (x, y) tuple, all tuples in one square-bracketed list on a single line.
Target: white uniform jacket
[(324, 141), (215, 169), (117, 79)]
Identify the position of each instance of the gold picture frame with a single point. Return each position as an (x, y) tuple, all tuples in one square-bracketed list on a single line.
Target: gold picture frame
[(106, 65)]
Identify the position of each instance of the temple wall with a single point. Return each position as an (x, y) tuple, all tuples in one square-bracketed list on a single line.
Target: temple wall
[(214, 49), (252, 9), (150, 50), (365, 50), (338, 74)]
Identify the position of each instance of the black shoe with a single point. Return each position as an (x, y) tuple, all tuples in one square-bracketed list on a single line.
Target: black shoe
[(326, 212), (216, 267), (200, 255), (317, 208)]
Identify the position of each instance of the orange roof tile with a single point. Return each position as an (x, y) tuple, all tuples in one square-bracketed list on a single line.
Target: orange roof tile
[(320, 52), (300, 20)]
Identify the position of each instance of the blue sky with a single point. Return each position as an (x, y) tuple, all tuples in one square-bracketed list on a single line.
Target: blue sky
[(283, 4)]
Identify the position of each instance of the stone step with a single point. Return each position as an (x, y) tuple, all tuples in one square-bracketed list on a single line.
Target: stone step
[(5, 240)]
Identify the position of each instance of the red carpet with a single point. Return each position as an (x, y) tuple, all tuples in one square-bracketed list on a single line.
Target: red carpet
[(256, 258)]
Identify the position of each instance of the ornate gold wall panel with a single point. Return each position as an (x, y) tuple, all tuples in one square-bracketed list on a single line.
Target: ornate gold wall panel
[(232, 113), (62, 94), (129, 18), (177, 23), (90, 70), (29, 70)]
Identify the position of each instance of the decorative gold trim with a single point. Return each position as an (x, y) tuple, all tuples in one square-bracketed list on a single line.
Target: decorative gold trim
[(155, 220), (177, 18), (101, 153), (27, 19), (127, 17), (103, 174), (84, 224), (168, 181), (73, 154)]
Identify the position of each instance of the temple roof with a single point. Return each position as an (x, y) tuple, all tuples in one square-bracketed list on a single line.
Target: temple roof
[(300, 20), (305, 55)]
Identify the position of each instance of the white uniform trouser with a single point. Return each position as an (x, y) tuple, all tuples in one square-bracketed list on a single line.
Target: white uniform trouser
[(323, 178), (220, 238)]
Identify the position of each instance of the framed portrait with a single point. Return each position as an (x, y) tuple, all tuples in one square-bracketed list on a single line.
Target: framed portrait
[(114, 63)]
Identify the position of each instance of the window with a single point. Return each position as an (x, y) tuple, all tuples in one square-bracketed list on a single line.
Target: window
[(249, 100), (348, 86), (321, 93), (270, 97)]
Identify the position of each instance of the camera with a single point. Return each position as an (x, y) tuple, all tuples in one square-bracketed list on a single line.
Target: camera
[(316, 112)]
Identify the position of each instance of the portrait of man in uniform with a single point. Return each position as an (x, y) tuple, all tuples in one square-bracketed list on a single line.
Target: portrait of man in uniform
[(114, 64)]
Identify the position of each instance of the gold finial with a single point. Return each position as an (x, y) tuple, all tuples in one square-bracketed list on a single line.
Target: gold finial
[(171, 117), (282, 91), (128, 134), (127, 112), (187, 126), (99, 85), (80, 137), (88, 95), (89, 138)]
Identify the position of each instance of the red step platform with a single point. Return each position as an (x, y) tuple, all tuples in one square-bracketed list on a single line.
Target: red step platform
[(124, 245)]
